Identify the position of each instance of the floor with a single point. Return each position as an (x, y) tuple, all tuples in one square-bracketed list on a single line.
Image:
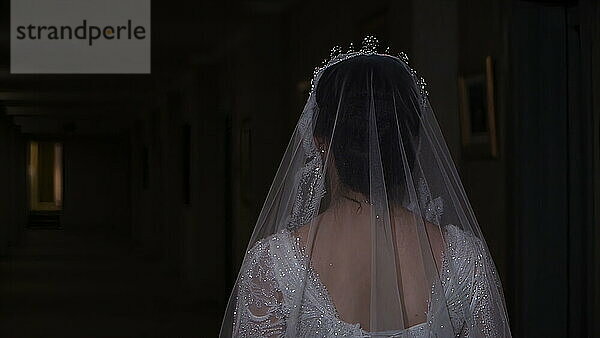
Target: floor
[(62, 284)]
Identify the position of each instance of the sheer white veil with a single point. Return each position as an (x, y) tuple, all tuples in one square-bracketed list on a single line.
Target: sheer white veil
[(380, 227)]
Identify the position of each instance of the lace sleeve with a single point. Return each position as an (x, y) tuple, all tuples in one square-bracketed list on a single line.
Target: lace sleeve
[(259, 299), (479, 299), (487, 305)]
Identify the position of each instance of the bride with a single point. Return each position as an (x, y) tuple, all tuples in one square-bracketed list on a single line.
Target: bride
[(366, 230)]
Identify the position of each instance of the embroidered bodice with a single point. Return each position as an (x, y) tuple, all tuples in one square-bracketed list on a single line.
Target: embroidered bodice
[(276, 267)]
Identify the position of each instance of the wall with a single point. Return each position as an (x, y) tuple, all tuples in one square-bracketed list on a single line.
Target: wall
[(13, 213), (94, 169), (593, 29), (186, 237), (435, 48), (482, 30), (5, 198)]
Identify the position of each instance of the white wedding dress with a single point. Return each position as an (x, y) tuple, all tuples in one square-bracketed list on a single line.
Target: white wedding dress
[(277, 267)]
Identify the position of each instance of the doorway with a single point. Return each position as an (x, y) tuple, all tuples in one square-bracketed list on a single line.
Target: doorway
[(45, 183)]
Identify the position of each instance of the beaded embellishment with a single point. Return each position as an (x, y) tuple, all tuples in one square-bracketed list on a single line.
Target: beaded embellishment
[(370, 46), (433, 207), (281, 295)]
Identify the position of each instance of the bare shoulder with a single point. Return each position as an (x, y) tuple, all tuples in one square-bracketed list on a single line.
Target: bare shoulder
[(433, 231)]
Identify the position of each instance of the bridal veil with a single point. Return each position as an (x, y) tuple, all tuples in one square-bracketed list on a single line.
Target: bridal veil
[(367, 230)]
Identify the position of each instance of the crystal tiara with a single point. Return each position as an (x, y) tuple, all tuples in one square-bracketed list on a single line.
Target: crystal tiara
[(369, 46)]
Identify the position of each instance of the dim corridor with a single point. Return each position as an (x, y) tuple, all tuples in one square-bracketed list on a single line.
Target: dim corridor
[(66, 284)]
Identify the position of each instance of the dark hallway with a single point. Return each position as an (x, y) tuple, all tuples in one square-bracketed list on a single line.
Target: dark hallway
[(134, 220)]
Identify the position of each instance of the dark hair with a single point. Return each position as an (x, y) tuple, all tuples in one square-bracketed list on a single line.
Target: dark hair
[(345, 90)]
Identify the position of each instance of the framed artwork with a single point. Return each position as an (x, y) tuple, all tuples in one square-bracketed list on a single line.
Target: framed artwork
[(478, 114)]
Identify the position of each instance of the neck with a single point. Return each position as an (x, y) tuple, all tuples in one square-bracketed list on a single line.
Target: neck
[(351, 200)]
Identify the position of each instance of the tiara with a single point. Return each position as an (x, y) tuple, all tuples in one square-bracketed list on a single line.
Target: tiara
[(369, 46)]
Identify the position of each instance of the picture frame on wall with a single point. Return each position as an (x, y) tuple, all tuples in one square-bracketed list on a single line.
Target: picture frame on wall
[(478, 114)]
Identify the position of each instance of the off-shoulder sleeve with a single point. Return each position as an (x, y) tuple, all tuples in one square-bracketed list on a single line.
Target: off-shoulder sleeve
[(259, 298), (474, 294)]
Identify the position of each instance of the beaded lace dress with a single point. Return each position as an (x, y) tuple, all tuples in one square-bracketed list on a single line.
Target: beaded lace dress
[(367, 230)]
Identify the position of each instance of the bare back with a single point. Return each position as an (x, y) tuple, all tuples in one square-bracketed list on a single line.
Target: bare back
[(338, 240)]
